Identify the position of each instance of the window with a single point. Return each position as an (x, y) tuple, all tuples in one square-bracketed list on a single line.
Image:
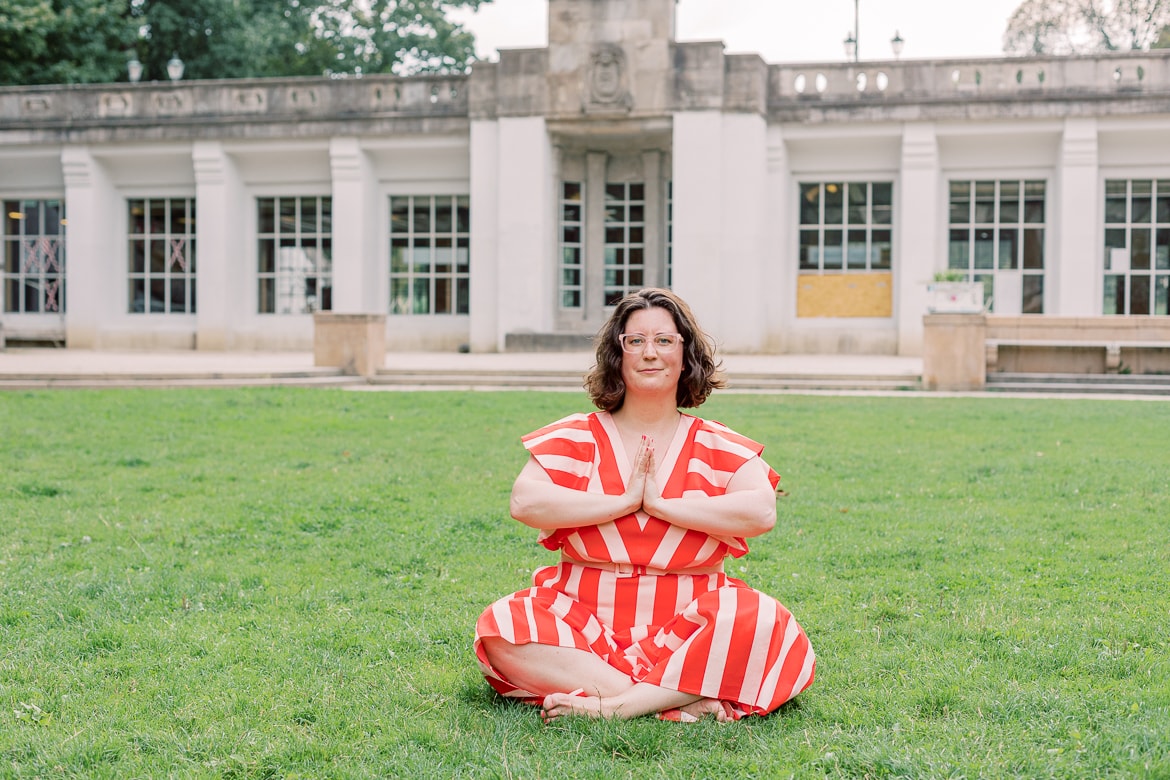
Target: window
[(625, 215), (1137, 246), (295, 265), (846, 226), (34, 256), (572, 245), (162, 256), (430, 254), (997, 230)]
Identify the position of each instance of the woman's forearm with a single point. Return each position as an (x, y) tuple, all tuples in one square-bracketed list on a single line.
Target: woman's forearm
[(743, 513), (547, 506)]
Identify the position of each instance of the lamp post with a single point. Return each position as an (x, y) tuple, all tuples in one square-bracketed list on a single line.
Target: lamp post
[(896, 43), (134, 70), (853, 42)]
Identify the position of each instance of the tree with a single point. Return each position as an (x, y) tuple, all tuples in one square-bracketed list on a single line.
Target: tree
[(1063, 27), (240, 38), (68, 41), (63, 41)]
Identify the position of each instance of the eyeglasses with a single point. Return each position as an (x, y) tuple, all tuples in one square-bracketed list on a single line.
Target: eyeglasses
[(663, 342)]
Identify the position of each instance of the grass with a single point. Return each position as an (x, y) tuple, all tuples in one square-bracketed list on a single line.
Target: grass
[(283, 583)]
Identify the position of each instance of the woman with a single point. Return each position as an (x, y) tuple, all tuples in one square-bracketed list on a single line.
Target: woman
[(644, 503)]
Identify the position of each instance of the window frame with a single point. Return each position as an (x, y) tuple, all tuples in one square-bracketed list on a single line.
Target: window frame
[(176, 271), (823, 226), (277, 277), (1153, 265), (447, 286), (33, 262), (989, 231)]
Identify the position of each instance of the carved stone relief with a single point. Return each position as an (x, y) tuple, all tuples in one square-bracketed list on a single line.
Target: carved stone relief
[(607, 80)]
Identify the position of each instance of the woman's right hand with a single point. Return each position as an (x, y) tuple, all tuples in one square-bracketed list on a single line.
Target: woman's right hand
[(639, 473)]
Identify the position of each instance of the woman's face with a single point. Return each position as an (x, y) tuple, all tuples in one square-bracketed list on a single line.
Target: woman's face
[(652, 369)]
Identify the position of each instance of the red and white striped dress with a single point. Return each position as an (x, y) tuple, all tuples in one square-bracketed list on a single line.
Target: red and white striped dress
[(700, 632)]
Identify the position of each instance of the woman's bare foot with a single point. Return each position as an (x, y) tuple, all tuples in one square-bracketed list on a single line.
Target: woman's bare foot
[(557, 704), (704, 707)]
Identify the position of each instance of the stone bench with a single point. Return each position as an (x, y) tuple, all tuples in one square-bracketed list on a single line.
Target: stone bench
[(1112, 349), (960, 349)]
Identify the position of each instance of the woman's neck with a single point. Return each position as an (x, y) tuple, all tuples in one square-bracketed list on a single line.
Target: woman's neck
[(646, 413)]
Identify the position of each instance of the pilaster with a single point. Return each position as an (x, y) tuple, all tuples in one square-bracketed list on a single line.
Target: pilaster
[(357, 285), (96, 267), (918, 243), (486, 283), (224, 274), (1073, 277), (525, 250)]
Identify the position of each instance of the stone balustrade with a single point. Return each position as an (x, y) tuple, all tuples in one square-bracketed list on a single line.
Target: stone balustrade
[(704, 78)]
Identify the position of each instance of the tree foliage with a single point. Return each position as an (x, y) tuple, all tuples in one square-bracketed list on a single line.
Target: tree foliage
[(1060, 27), (63, 41), (72, 41)]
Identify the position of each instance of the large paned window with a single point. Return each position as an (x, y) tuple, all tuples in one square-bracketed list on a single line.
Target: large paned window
[(295, 254), (997, 230), (625, 224), (162, 255), (572, 245), (846, 226), (430, 254), (1137, 246), (34, 256)]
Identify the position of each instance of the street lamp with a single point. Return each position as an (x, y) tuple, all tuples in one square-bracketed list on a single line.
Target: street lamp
[(134, 70), (175, 67), (896, 43), (853, 42)]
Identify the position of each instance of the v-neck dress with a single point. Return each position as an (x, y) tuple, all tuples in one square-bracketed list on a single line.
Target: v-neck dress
[(655, 603)]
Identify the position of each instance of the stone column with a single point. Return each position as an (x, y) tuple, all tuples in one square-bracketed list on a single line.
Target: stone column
[(654, 232), (96, 268), (595, 164), (226, 268), (1072, 276), (917, 241)]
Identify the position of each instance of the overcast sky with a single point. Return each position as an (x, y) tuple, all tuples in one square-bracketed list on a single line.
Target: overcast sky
[(788, 30)]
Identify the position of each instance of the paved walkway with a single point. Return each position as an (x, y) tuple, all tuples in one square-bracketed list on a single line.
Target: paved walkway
[(21, 368), (64, 363)]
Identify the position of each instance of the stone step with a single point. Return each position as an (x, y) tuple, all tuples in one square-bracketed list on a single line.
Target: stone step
[(1129, 384), (315, 378)]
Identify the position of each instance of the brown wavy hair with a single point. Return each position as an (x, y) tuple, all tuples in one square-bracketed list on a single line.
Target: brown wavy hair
[(700, 373)]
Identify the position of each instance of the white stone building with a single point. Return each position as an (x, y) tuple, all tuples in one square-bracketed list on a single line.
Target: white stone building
[(799, 208)]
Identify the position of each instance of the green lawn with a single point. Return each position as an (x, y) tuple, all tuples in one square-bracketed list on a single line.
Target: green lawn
[(283, 583)]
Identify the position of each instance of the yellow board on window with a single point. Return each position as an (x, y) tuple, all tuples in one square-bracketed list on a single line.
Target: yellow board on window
[(845, 295)]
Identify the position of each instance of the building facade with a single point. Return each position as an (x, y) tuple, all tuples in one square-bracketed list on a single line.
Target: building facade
[(797, 207)]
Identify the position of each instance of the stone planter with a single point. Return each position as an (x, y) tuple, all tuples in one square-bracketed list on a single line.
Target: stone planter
[(955, 298)]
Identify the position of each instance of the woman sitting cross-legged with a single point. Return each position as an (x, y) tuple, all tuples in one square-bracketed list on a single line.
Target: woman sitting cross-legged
[(644, 504)]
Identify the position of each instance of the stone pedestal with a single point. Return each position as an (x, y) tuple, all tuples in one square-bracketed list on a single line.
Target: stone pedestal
[(954, 356), (355, 343)]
